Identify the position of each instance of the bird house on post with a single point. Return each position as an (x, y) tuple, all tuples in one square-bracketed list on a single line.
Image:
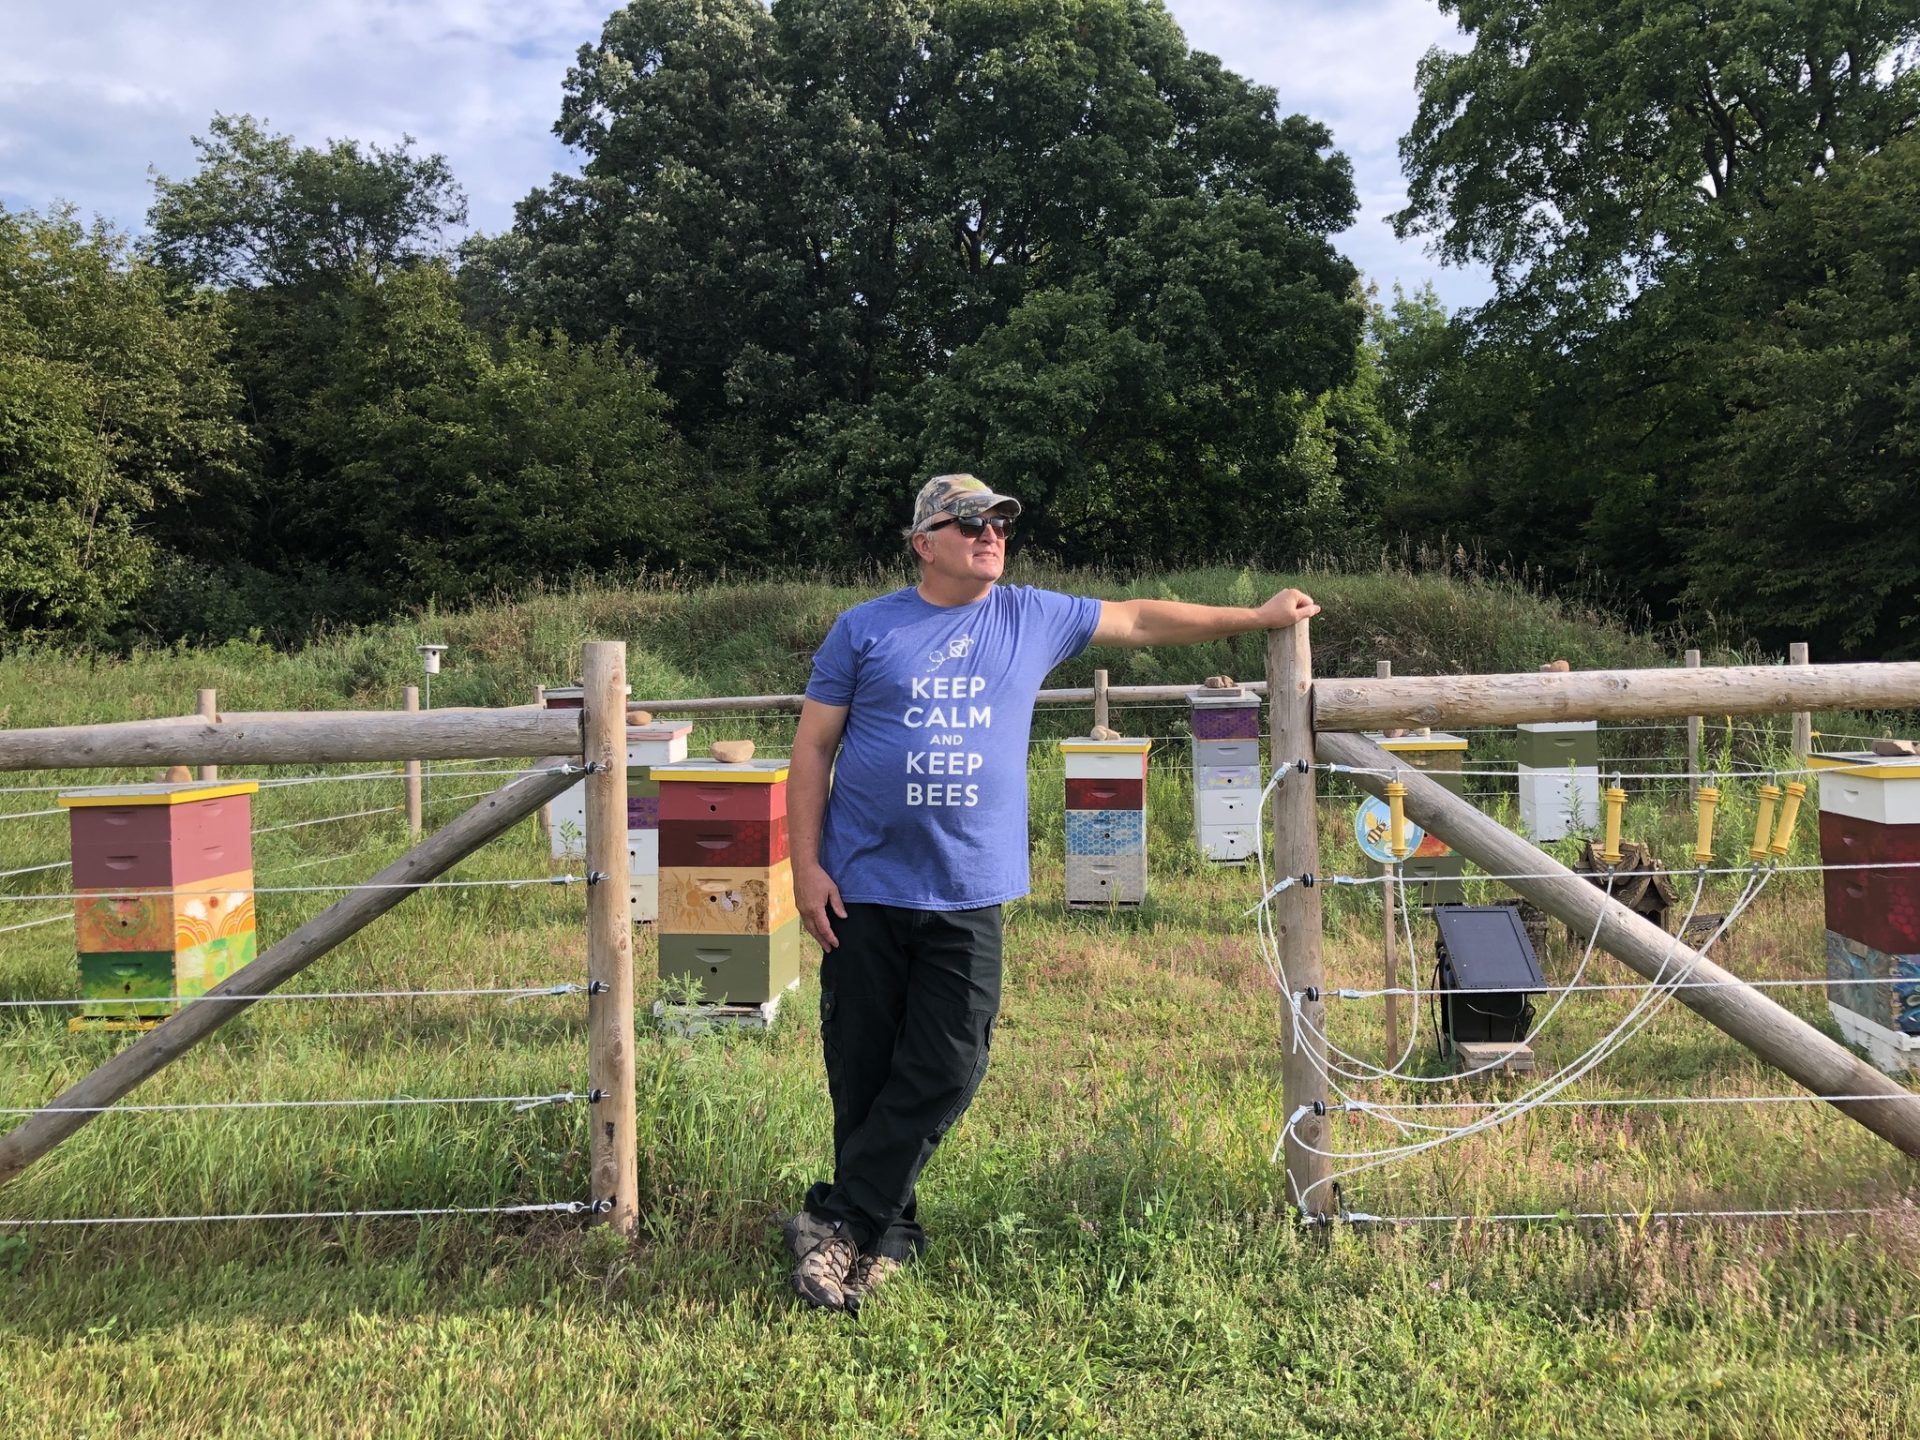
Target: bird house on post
[(1870, 817), (430, 657)]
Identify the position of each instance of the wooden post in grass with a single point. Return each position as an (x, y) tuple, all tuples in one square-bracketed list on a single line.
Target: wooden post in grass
[(411, 704), (210, 712), (279, 963), (1296, 914), (1390, 912), (1099, 698), (1775, 1034), (1802, 720), (614, 1154), (1693, 732), (545, 818)]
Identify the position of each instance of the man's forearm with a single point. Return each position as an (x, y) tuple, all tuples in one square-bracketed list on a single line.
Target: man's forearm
[(808, 778), (1177, 622)]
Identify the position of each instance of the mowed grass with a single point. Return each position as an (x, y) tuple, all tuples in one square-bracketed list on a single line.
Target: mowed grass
[(1114, 1253)]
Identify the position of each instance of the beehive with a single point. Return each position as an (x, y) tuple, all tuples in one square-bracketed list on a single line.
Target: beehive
[(1432, 873), (1106, 821), (1226, 774), (727, 912), (661, 743), (1559, 774), (164, 876), (1870, 831)]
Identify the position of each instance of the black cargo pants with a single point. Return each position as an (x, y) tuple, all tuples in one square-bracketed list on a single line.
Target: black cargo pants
[(907, 1005)]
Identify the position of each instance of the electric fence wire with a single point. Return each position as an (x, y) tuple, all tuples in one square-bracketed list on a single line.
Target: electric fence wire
[(561, 1207), (1649, 1005), (520, 1103), (508, 992), (131, 894), (1636, 1019), (1537, 1217)]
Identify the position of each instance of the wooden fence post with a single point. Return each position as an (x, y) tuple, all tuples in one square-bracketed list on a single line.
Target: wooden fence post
[(1099, 698), (545, 818), (1693, 732), (1297, 919), (1390, 912), (1802, 720), (610, 1040), (209, 711), (411, 704)]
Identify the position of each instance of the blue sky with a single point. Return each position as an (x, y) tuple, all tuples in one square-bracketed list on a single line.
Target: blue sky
[(94, 92)]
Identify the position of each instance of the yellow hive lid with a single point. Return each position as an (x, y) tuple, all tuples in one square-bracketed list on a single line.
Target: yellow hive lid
[(159, 793), (1106, 747), (1865, 765), (1416, 744), (752, 772)]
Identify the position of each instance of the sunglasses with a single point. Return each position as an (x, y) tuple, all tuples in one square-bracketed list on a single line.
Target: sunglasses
[(973, 528)]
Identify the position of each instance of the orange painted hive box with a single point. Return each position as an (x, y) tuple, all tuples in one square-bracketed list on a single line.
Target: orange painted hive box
[(164, 876)]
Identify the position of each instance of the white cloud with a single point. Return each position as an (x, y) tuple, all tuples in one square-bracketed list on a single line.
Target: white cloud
[(93, 92)]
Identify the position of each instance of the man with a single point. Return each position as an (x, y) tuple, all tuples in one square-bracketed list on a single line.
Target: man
[(905, 851)]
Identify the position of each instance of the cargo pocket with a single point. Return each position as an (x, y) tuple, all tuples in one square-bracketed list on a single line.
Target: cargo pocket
[(977, 1036), (830, 1047)]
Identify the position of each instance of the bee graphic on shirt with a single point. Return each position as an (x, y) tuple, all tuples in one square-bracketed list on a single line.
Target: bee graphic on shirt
[(957, 649)]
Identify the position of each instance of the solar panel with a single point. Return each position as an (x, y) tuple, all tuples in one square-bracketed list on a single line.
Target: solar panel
[(1486, 948)]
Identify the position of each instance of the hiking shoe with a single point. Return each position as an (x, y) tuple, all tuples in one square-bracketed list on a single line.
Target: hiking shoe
[(804, 1230), (869, 1273), (821, 1276)]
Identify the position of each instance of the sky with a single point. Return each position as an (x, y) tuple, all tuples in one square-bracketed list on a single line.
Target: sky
[(96, 93)]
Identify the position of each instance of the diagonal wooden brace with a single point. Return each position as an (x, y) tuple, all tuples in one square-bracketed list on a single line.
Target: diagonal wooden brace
[(158, 1048), (1772, 1032)]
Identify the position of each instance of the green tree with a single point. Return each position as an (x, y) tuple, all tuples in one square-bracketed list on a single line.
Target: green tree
[(1048, 241), (1630, 170), (1809, 506), (111, 403), (1580, 145), (261, 210)]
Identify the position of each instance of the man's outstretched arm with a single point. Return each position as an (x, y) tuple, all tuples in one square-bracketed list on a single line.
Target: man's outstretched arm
[(1139, 623)]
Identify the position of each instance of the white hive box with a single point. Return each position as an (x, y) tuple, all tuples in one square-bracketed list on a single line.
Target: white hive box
[(1226, 774), (1559, 775), (1106, 821)]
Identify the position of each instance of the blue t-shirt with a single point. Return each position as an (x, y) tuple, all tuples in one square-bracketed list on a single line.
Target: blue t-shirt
[(929, 802)]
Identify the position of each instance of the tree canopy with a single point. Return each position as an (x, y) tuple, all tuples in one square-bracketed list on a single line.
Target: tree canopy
[(862, 241)]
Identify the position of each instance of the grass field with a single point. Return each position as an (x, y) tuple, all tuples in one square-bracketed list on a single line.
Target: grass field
[(1113, 1252)]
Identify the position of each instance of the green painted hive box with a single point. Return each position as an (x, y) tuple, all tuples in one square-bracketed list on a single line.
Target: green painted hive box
[(734, 969)]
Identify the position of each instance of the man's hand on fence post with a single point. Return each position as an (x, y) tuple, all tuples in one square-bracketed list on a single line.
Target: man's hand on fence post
[(1289, 607)]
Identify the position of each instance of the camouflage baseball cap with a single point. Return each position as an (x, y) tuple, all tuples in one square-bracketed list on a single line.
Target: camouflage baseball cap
[(961, 496)]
